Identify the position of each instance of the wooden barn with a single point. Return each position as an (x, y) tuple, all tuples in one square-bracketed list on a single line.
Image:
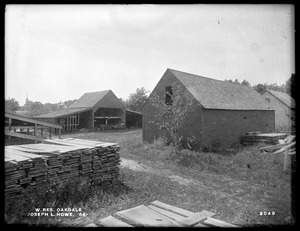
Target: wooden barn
[(221, 111), (100, 110), (284, 106)]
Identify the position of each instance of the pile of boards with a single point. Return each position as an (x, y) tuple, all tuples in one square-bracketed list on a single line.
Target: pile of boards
[(250, 138), (159, 214), (287, 144), (59, 160)]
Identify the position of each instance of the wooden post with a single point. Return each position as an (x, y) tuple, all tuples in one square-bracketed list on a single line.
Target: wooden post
[(42, 129), (286, 156), (59, 133), (35, 133), (50, 133), (9, 127)]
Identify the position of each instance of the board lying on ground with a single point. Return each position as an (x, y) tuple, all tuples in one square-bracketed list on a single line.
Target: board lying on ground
[(160, 214), (250, 138), (31, 165)]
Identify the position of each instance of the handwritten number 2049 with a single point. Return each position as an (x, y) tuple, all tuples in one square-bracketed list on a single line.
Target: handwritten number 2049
[(267, 213)]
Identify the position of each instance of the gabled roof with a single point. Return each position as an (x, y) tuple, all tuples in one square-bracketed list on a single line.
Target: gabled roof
[(282, 97), (89, 100), (63, 112), (217, 94)]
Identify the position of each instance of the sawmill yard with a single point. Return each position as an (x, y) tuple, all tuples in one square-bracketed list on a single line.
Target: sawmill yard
[(242, 185)]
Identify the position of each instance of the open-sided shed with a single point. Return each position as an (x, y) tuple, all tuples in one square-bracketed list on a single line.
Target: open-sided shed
[(99, 110)]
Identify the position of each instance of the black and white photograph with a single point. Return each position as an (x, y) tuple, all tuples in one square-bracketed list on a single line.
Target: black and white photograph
[(149, 115)]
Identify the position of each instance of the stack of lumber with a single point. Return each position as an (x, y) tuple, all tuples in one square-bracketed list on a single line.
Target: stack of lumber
[(55, 161), (286, 144), (250, 138), (159, 214)]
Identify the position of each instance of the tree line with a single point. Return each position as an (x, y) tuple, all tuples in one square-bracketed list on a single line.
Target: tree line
[(135, 101)]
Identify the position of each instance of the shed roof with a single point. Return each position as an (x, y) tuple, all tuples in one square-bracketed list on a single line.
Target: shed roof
[(63, 112), (89, 100), (217, 94), (283, 97)]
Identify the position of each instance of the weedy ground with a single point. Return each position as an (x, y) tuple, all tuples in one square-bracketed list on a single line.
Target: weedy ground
[(242, 186)]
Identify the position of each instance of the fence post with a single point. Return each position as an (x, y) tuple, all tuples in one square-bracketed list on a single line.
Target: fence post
[(286, 156)]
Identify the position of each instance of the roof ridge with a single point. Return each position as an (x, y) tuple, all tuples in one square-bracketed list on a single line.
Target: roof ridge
[(97, 91), (205, 77)]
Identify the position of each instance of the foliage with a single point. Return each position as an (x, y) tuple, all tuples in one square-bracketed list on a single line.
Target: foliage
[(38, 108), (273, 86), (137, 99), (291, 86), (11, 105), (171, 117)]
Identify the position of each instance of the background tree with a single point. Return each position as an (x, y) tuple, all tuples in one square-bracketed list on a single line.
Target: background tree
[(290, 86), (171, 117), (137, 99), (11, 105)]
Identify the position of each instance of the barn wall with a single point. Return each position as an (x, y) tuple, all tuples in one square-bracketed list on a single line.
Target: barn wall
[(86, 120), (283, 114), (192, 126), (224, 127)]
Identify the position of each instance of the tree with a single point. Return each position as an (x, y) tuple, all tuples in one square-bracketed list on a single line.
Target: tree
[(245, 82), (136, 100), (171, 116), (11, 105), (290, 86)]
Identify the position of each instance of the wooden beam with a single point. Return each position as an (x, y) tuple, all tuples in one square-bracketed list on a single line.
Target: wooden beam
[(218, 223), (31, 120), (24, 136)]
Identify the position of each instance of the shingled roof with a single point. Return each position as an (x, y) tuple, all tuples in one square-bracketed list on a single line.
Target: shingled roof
[(89, 99), (283, 97), (63, 112), (217, 94)]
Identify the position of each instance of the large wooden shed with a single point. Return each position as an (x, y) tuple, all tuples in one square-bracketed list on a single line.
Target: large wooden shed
[(99, 110), (284, 106), (222, 111)]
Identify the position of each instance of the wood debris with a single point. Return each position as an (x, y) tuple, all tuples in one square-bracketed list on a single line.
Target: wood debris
[(288, 143)]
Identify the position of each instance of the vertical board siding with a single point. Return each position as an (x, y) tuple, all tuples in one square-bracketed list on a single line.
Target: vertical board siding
[(283, 113), (224, 128)]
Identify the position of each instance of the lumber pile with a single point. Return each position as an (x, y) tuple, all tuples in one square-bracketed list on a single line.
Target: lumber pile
[(250, 138), (54, 161), (286, 144)]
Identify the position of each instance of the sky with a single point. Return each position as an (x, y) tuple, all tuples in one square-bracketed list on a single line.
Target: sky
[(55, 53)]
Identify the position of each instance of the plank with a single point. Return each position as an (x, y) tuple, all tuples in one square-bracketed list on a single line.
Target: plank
[(197, 217), (110, 221), (166, 213), (65, 143), (143, 216), (24, 136), (16, 157), (25, 119), (29, 155), (173, 209), (218, 223), (200, 225), (91, 225)]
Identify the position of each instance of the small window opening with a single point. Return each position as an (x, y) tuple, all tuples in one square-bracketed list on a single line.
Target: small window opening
[(168, 95), (268, 99)]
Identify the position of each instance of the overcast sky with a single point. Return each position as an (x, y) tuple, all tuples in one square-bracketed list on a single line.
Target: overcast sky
[(56, 53)]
